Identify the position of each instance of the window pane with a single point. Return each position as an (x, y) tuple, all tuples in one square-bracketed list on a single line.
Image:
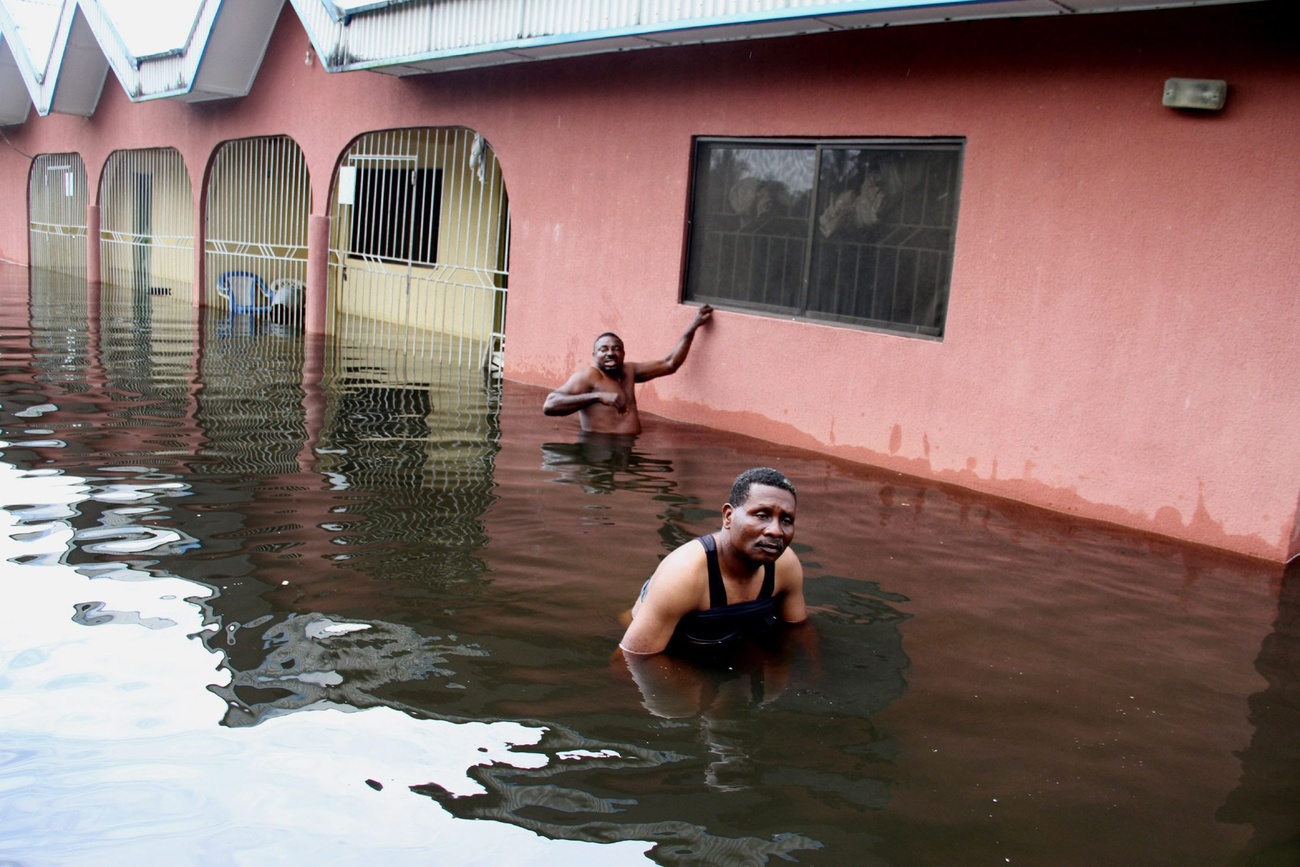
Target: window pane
[(858, 232), (750, 224), (882, 251)]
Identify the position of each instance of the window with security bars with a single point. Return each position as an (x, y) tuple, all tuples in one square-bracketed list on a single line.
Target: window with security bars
[(396, 214), (859, 232)]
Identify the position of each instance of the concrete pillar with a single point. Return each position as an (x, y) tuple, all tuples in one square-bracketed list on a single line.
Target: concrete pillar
[(94, 263), (318, 257)]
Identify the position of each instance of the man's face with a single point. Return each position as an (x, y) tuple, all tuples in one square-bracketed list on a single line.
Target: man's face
[(763, 526), (608, 355)]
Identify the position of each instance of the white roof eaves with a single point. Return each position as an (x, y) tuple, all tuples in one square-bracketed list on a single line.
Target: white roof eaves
[(339, 54), (128, 68), (71, 78), (111, 30)]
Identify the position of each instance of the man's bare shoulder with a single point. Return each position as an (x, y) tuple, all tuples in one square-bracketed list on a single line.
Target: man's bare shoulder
[(581, 381), (679, 579), (789, 568), (688, 560)]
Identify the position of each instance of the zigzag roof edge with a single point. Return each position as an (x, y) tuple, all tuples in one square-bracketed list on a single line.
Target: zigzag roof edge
[(39, 72), (219, 59)]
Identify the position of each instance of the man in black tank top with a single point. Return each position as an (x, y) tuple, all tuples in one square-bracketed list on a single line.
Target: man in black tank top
[(723, 588)]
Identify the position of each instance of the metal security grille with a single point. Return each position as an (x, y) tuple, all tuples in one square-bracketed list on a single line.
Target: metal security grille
[(57, 205), (255, 252), (419, 254), (146, 232)]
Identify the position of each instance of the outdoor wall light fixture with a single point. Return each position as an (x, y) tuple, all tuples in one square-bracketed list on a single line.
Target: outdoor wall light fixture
[(1203, 94)]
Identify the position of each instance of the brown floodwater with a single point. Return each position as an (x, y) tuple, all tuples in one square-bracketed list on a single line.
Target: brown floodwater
[(270, 599)]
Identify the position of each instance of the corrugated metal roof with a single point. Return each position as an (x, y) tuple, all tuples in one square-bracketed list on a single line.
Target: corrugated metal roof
[(211, 49)]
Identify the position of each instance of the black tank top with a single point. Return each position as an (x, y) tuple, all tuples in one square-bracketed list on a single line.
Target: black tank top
[(721, 623)]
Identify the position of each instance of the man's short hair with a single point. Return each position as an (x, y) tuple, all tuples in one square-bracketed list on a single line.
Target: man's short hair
[(600, 337), (758, 476)]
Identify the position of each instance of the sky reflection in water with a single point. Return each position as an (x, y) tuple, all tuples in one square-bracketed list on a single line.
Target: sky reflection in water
[(111, 752)]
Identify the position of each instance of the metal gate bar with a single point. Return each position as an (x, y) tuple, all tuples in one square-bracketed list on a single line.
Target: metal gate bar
[(255, 249), (418, 256), (57, 200), (147, 223)]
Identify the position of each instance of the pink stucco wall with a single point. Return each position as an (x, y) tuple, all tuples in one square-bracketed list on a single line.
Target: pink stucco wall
[(1121, 338)]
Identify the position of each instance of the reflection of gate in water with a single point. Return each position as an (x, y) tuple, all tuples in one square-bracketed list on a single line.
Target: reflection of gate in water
[(57, 207), (147, 222), (420, 246), (255, 250)]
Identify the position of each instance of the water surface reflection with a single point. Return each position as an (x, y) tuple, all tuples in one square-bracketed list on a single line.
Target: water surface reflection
[(269, 598)]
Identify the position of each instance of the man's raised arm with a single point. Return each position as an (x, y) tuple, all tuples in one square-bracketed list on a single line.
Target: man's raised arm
[(673, 360)]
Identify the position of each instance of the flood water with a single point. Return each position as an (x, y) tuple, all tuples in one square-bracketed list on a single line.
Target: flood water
[(272, 602)]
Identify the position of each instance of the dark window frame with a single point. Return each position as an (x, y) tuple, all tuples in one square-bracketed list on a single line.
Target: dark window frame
[(928, 246), (397, 214)]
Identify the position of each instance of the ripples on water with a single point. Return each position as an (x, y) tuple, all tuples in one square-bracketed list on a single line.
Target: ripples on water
[(257, 616)]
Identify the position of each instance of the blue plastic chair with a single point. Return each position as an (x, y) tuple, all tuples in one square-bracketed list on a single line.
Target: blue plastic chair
[(244, 291)]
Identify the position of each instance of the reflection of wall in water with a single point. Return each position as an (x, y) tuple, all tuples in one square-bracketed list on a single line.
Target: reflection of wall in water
[(1268, 797), (117, 386), (148, 337)]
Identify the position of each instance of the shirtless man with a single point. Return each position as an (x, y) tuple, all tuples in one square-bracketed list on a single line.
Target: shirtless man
[(604, 395), (758, 576)]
